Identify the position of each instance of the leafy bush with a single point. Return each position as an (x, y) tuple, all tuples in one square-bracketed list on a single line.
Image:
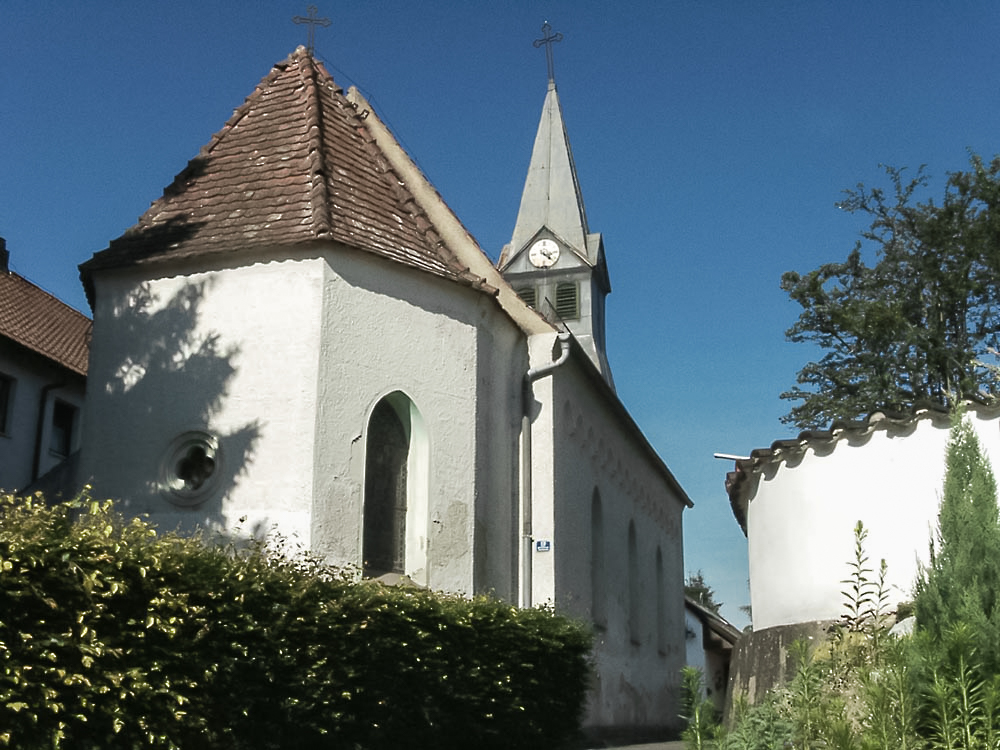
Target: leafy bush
[(112, 636)]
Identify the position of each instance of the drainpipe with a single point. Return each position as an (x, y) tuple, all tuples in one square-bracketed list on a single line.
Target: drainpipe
[(40, 428), (535, 373)]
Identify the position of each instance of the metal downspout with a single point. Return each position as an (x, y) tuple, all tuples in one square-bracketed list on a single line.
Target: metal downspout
[(535, 373)]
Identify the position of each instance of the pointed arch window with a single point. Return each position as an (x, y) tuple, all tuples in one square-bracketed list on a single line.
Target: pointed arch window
[(386, 459), (661, 605), (394, 527)]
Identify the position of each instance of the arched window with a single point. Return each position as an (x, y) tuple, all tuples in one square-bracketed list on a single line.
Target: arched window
[(394, 534), (598, 593), (633, 585), (386, 458)]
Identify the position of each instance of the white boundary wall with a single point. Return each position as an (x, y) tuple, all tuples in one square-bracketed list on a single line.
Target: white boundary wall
[(800, 522)]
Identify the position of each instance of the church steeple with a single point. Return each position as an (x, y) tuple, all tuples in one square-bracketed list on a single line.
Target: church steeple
[(553, 260)]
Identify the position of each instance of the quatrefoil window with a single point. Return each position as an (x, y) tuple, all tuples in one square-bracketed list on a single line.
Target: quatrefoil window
[(190, 469)]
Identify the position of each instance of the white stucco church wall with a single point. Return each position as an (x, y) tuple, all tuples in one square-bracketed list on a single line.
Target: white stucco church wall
[(291, 433), (606, 527), (802, 499)]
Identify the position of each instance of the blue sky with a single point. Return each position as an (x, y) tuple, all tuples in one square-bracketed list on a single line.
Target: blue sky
[(712, 140)]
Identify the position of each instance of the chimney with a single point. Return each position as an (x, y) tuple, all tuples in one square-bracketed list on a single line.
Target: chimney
[(4, 255)]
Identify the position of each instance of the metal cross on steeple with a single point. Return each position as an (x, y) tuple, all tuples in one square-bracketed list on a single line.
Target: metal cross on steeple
[(548, 39), (313, 22)]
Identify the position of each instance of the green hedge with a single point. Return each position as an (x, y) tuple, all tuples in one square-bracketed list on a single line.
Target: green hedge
[(112, 636)]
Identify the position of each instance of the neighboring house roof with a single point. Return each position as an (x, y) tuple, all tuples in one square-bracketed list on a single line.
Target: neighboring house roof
[(719, 631), (741, 483), (36, 320), (294, 164)]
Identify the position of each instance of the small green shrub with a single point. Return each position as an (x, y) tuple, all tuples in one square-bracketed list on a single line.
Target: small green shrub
[(112, 636), (701, 719), (763, 726)]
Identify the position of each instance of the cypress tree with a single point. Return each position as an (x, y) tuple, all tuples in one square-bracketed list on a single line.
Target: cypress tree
[(961, 584)]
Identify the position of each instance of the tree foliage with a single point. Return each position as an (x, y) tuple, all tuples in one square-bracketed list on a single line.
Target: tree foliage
[(961, 584), (698, 590), (914, 327), (112, 636)]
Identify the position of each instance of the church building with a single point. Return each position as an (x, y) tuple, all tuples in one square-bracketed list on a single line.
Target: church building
[(300, 337)]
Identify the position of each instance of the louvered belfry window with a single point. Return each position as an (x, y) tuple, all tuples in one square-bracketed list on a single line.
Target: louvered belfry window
[(527, 294), (384, 543), (567, 301)]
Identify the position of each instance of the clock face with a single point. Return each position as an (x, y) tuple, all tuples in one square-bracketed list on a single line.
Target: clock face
[(543, 253)]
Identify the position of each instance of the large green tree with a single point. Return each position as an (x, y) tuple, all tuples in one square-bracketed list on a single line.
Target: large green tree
[(914, 327)]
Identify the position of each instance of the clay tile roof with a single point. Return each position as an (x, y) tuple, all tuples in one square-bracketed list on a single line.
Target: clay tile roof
[(741, 482), (36, 320), (295, 163)]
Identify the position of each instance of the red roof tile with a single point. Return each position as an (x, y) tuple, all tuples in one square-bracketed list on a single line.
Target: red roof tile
[(38, 321), (295, 163)]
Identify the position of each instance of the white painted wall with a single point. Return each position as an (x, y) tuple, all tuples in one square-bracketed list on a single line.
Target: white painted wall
[(38, 383), (800, 522), (694, 642), (230, 351), (386, 329), (637, 672)]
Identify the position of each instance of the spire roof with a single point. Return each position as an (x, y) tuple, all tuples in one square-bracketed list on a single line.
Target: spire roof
[(551, 196), (295, 163)]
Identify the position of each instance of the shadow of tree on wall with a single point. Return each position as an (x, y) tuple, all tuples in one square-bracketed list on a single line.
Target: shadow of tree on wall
[(165, 383)]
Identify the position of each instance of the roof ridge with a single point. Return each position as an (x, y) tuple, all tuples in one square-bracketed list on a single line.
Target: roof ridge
[(408, 202), (322, 218)]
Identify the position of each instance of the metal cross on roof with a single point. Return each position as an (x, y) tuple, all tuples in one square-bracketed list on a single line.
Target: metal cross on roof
[(313, 22), (548, 39)]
